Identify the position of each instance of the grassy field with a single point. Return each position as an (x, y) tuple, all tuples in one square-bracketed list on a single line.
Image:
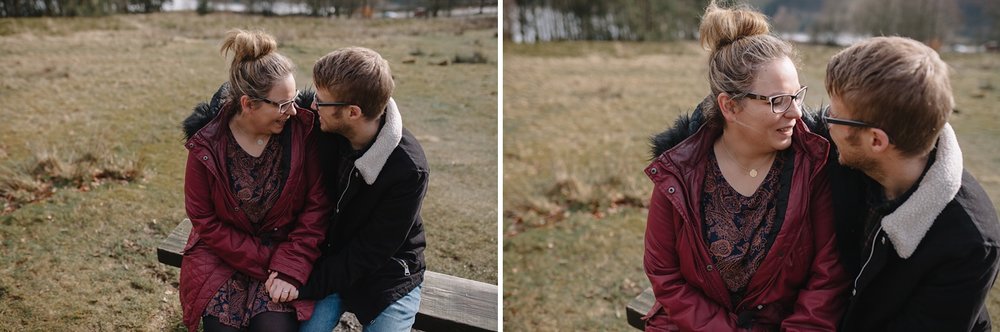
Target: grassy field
[(91, 157), (577, 118)]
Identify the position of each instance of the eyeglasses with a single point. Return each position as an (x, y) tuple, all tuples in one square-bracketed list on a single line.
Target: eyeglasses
[(335, 103), (332, 103), (283, 107), (782, 103), (828, 120)]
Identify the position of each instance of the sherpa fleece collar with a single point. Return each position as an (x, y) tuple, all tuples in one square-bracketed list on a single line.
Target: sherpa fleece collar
[(907, 225), (371, 163)]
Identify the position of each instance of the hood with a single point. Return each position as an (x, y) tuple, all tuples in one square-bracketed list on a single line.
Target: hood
[(688, 124), (204, 112)]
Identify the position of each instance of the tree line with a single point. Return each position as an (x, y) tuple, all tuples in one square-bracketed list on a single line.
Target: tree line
[(934, 22), (339, 8), (543, 20), (22, 8)]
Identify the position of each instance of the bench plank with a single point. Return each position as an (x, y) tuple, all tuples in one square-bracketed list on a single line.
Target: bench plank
[(638, 307), (451, 303), (169, 250), (447, 303)]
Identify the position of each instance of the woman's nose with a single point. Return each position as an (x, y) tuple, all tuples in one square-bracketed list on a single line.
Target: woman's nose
[(795, 111)]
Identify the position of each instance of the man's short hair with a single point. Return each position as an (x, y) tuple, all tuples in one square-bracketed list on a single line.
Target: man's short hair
[(356, 75), (896, 84)]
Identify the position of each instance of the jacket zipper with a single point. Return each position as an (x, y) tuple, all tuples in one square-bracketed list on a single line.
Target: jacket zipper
[(870, 254), (406, 268), (345, 188)]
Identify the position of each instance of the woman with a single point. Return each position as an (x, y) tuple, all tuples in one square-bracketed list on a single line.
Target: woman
[(740, 227), (253, 192)]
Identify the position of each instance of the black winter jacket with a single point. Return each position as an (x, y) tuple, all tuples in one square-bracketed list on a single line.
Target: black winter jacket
[(373, 254), (928, 259)]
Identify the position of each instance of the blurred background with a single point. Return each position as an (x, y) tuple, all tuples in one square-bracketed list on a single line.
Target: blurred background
[(959, 25), (91, 154), (587, 83), (337, 8)]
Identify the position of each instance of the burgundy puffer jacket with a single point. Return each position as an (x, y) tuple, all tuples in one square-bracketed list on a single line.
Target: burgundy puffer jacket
[(222, 240), (800, 285)]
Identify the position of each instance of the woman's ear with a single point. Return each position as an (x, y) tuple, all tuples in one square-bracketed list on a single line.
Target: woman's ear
[(246, 103), (727, 106)]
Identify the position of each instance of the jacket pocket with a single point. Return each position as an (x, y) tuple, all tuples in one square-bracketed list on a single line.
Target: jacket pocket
[(657, 319), (402, 263), (652, 311)]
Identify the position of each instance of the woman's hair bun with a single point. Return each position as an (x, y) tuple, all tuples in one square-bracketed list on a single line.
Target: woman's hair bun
[(724, 26), (248, 45)]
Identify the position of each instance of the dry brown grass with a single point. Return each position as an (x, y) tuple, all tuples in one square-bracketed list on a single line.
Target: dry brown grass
[(577, 118), (87, 102)]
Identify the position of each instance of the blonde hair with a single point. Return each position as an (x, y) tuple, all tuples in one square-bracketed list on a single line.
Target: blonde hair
[(256, 65), (357, 75), (738, 40), (897, 84)]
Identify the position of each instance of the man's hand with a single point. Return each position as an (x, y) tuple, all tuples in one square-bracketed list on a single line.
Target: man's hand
[(280, 290)]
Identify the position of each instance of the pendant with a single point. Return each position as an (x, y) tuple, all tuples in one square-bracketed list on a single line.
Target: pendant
[(261, 142), (753, 173)]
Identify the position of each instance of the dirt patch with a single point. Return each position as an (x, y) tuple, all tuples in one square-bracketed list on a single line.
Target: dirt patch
[(47, 173)]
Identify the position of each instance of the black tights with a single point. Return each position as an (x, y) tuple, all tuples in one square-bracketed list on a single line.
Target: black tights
[(265, 321)]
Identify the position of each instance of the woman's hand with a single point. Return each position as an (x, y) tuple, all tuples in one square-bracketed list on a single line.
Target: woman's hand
[(280, 290)]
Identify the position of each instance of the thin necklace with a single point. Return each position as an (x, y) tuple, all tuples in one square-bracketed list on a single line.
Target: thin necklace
[(752, 172), (260, 141)]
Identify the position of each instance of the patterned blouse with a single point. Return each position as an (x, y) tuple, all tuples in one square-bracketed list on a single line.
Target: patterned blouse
[(738, 229), (257, 183)]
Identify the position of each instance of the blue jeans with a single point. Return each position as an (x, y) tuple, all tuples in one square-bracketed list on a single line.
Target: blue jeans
[(399, 316)]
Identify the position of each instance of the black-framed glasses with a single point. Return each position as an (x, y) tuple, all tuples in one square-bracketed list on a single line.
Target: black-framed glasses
[(283, 107), (332, 103), (783, 102), (828, 120)]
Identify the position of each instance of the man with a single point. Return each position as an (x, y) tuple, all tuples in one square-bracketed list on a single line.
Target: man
[(918, 232), (372, 261)]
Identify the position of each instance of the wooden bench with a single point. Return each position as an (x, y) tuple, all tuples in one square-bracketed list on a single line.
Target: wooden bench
[(447, 303), (638, 307)]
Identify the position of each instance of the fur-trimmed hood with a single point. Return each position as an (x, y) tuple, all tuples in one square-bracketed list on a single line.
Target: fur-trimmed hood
[(908, 224)]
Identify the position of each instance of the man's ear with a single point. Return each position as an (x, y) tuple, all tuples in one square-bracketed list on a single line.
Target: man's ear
[(354, 112), (879, 140)]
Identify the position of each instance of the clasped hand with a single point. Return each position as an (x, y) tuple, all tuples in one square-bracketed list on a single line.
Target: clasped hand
[(280, 290)]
